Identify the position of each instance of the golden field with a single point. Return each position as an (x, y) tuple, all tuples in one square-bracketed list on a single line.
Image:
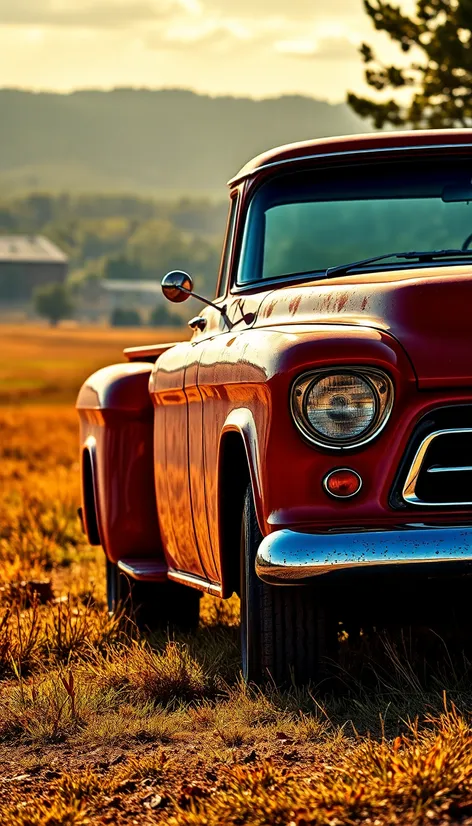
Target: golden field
[(48, 364), (99, 725)]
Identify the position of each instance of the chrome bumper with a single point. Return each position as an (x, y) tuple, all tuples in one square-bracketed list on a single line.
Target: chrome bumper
[(291, 557)]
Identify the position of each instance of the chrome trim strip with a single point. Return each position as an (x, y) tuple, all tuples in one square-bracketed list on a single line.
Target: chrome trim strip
[(439, 469), (409, 488), (195, 581), (345, 153), (289, 557)]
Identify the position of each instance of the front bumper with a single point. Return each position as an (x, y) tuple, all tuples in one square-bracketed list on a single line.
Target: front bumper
[(290, 557)]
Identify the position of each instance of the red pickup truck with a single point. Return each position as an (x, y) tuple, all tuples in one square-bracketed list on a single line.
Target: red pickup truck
[(310, 447)]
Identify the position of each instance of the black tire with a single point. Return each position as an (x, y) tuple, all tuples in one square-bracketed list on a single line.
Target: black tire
[(286, 634), (152, 606)]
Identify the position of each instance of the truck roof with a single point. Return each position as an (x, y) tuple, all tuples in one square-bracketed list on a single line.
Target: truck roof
[(379, 141)]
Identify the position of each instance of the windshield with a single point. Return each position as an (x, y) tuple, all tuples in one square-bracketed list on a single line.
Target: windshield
[(307, 222)]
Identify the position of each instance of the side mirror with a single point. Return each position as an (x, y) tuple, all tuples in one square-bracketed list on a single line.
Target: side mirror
[(177, 286)]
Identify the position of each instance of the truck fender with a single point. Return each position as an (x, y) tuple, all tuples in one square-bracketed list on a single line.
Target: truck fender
[(116, 437), (241, 421)]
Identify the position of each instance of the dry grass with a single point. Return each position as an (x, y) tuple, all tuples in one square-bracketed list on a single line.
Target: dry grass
[(98, 725), (43, 364)]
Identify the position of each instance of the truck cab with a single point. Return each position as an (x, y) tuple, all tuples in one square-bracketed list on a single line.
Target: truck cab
[(312, 441)]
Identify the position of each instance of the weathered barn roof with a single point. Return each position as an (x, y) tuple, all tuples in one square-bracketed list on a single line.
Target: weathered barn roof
[(30, 249)]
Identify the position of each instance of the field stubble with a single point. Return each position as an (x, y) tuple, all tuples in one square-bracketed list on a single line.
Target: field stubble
[(101, 725)]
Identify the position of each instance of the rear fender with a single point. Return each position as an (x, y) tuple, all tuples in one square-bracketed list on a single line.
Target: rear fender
[(88, 486), (116, 437)]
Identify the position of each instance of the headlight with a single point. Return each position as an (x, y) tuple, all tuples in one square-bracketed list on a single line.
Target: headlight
[(342, 408)]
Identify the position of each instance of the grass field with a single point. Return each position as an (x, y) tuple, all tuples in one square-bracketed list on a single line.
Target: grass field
[(47, 365), (100, 725)]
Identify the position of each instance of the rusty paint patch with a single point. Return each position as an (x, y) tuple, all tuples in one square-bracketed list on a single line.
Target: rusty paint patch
[(294, 304), (324, 305), (342, 301), (270, 308), (365, 301)]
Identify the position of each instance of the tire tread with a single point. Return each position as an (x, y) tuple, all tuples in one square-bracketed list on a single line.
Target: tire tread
[(293, 629)]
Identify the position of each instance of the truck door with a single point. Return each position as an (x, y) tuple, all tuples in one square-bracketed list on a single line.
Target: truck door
[(171, 460)]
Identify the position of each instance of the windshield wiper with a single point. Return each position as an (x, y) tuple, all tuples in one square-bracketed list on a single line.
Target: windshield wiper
[(425, 256)]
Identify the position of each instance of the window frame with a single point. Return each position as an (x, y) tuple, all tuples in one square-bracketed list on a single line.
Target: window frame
[(262, 285), (228, 246)]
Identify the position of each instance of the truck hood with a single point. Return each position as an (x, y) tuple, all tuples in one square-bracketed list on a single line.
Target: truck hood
[(428, 310)]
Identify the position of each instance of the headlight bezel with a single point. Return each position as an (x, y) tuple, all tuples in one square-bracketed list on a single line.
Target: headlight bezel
[(374, 377)]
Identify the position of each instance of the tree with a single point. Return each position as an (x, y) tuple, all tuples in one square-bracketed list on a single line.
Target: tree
[(162, 317), (439, 37), (119, 267), (125, 318), (53, 301)]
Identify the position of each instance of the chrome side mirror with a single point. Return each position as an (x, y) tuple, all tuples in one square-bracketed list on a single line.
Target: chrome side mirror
[(177, 286)]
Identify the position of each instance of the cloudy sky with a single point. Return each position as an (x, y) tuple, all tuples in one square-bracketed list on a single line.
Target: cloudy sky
[(240, 47)]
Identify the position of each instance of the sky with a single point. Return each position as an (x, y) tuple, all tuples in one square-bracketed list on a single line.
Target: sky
[(258, 48)]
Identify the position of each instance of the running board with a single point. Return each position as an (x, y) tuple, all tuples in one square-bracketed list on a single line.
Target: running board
[(195, 581), (145, 570)]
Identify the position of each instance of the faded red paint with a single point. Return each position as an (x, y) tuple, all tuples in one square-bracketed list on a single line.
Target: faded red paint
[(236, 375)]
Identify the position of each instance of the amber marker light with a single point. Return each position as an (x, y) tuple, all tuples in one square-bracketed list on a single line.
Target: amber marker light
[(342, 483)]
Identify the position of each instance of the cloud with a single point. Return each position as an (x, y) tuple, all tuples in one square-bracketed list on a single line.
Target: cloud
[(323, 41), (295, 10), (210, 37), (249, 47), (327, 48), (214, 39), (110, 15), (115, 13)]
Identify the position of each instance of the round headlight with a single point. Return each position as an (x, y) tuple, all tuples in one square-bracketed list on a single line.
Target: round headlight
[(342, 408)]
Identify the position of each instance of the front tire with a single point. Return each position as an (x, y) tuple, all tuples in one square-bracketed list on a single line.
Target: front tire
[(152, 606), (286, 633)]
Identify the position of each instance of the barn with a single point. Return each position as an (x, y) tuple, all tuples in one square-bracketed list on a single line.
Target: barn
[(27, 262)]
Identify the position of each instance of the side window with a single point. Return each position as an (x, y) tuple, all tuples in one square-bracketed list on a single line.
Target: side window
[(228, 245)]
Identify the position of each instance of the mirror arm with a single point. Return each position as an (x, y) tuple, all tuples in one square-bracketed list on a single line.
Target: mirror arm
[(221, 309)]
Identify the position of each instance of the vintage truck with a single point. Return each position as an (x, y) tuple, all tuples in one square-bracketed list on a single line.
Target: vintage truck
[(310, 447)]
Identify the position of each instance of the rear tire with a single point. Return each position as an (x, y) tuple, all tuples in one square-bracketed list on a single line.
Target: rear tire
[(286, 632), (152, 606)]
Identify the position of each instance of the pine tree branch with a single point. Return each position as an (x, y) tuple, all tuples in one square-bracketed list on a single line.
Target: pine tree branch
[(442, 31)]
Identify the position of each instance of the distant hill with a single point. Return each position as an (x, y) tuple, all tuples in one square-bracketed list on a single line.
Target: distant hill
[(168, 142)]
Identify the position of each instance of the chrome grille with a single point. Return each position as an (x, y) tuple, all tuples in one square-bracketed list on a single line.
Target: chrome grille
[(441, 471)]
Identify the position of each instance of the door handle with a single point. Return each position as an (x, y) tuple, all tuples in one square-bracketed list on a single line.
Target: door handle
[(198, 323)]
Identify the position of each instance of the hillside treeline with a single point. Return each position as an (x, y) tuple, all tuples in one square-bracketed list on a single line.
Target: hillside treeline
[(124, 237), (160, 143)]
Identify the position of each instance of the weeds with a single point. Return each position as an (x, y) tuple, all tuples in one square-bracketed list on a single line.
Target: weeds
[(152, 766), (48, 707), (419, 778), (195, 745), (47, 635), (68, 806), (138, 672)]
